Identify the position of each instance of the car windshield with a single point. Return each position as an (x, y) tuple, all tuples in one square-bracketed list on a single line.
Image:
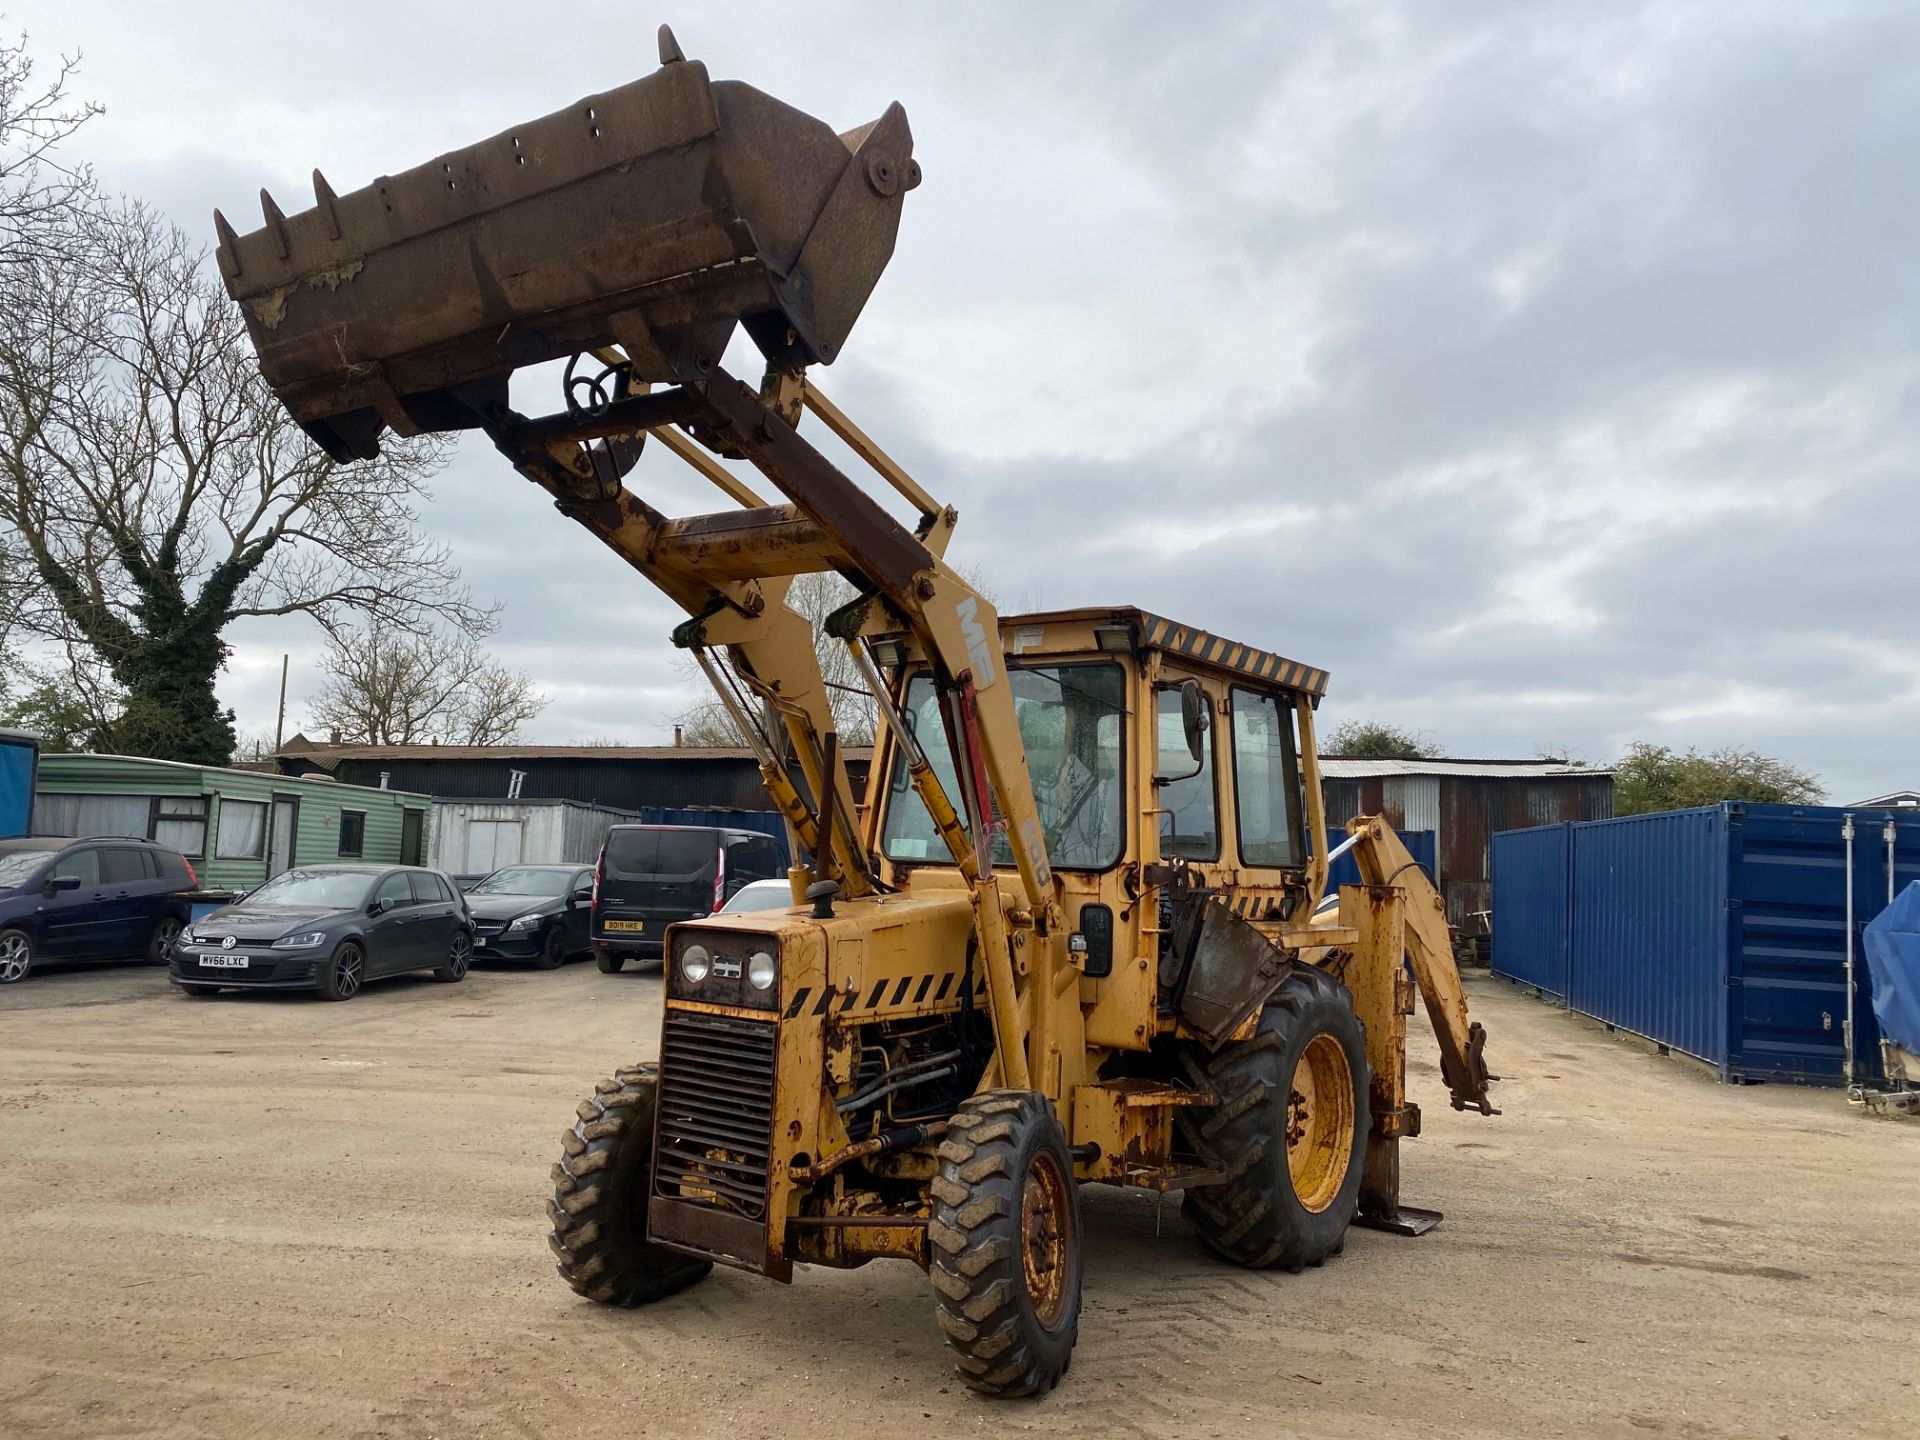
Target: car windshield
[(19, 866), (761, 895), (314, 889), (1070, 722), (651, 850), (525, 880)]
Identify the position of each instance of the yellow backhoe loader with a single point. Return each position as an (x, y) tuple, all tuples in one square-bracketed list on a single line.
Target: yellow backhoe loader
[(1072, 933)]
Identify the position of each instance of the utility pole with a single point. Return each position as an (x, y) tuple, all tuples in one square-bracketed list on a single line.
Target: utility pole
[(280, 724)]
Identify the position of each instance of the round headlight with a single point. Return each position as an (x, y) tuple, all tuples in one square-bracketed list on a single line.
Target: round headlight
[(695, 963), (760, 970)]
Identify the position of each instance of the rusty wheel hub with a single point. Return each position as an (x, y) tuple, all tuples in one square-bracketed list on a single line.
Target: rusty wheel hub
[(1320, 1121), (1046, 1240)]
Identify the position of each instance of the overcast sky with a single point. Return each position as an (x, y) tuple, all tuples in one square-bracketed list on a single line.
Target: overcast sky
[(1548, 373)]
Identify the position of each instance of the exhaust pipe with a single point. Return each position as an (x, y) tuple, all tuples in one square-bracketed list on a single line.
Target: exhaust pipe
[(656, 217)]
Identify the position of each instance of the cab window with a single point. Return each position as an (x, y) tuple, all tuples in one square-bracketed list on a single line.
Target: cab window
[(1071, 725), (395, 890), (1190, 819), (1266, 780)]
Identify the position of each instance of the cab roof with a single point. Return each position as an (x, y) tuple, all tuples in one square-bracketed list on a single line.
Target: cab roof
[(1156, 632)]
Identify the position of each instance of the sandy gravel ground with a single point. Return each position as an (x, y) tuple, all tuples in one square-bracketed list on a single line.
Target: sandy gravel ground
[(276, 1217)]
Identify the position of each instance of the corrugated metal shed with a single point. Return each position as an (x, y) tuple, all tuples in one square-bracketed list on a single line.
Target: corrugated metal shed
[(1465, 802), (476, 837), (1720, 932), (625, 777)]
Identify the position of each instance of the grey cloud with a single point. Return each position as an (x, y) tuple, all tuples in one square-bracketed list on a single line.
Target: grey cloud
[(1578, 343)]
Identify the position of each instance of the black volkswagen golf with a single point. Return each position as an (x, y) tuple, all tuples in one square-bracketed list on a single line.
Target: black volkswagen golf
[(329, 928)]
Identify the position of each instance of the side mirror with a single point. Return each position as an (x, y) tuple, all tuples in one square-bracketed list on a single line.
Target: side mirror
[(583, 895), (376, 906), (57, 883), (1196, 718)]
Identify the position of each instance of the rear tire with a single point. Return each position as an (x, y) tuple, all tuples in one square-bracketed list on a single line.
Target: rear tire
[(553, 953), (609, 961), (16, 956), (1290, 1131), (346, 973), (459, 959), (599, 1204), (1004, 1245)]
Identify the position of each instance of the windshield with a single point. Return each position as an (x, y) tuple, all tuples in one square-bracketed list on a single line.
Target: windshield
[(525, 880), (761, 895), (19, 866), (650, 850), (1070, 722), (315, 889)]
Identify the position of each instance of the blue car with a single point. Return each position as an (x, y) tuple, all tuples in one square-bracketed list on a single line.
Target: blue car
[(100, 899)]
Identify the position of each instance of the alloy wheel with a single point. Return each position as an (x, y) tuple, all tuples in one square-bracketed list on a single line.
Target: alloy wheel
[(15, 957), (348, 971)]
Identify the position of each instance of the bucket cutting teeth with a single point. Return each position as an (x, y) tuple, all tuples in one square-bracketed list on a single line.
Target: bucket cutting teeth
[(656, 217)]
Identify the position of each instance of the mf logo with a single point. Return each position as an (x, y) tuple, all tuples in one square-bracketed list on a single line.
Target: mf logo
[(980, 649)]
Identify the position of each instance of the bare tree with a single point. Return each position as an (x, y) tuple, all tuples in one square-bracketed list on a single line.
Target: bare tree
[(157, 491), (38, 193), (390, 687), (815, 596)]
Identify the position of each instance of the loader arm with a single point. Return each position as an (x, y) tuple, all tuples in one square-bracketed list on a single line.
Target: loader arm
[(1385, 861), (643, 227), (730, 572)]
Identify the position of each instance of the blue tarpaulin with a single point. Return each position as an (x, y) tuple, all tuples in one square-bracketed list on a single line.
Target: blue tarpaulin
[(17, 755), (1893, 959)]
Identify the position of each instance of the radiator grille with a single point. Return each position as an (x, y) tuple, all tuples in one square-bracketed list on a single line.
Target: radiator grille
[(716, 1112)]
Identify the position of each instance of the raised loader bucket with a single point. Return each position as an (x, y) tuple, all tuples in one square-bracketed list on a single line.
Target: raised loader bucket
[(656, 217)]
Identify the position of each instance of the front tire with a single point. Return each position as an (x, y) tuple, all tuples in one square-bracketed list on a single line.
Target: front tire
[(599, 1204), (165, 936), (1005, 1244), (553, 953), (459, 959), (16, 956), (1290, 1130), (200, 992), (346, 973)]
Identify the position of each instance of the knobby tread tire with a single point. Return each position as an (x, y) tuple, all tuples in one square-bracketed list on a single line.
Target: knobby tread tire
[(599, 1205), (999, 1346), (1254, 1218)]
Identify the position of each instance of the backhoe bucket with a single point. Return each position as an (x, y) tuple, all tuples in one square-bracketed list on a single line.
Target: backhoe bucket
[(656, 217)]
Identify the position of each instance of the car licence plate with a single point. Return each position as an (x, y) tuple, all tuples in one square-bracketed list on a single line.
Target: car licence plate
[(631, 927), (223, 962)]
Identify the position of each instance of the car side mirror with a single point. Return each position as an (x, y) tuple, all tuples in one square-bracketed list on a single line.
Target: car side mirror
[(1196, 718), (583, 895), (376, 907), (57, 883)]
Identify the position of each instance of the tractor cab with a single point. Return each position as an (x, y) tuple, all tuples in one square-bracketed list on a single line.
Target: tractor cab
[(1167, 765)]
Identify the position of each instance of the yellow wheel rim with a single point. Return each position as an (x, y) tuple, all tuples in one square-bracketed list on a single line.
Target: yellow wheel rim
[(1046, 1240), (1320, 1123)]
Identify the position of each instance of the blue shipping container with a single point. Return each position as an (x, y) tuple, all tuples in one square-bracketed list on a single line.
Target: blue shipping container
[(1345, 869), (19, 757), (764, 822), (1720, 932), (1530, 938)]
